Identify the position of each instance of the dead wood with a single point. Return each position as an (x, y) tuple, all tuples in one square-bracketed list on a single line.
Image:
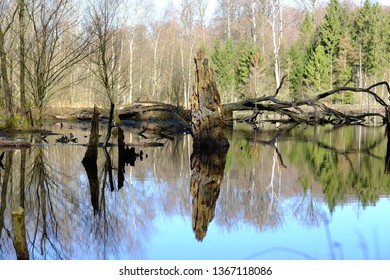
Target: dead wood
[(109, 126), (92, 151), (311, 110), (206, 109), (170, 119)]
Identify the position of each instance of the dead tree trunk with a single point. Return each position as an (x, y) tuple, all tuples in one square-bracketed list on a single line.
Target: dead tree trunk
[(109, 128), (207, 118), (91, 153)]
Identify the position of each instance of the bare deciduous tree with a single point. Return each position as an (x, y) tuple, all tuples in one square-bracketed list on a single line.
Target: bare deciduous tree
[(103, 21), (7, 16), (55, 45)]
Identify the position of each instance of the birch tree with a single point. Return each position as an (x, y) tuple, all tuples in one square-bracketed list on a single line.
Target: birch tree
[(276, 22), (201, 6), (138, 12), (187, 19)]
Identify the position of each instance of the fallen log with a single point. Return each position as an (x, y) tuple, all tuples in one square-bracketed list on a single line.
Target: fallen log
[(311, 110), (153, 109)]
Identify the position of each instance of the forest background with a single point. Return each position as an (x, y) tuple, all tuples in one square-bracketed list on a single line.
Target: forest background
[(57, 54)]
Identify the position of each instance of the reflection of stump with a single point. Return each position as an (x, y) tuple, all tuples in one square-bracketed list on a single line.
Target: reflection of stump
[(90, 161), (121, 158), (19, 231), (206, 109), (207, 174)]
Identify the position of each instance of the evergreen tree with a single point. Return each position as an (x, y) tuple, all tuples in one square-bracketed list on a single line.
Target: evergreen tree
[(335, 26), (223, 60), (242, 69), (317, 73), (344, 67), (370, 31), (330, 63), (345, 60), (298, 56)]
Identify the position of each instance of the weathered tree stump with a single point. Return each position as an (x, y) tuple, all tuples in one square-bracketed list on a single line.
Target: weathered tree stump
[(19, 231), (206, 109)]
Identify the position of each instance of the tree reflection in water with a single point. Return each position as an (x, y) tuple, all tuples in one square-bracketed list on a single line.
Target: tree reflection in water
[(263, 181), (207, 168)]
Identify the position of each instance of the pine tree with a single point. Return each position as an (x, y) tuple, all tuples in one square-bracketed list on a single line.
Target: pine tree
[(344, 67), (223, 60), (317, 72), (244, 57), (345, 60), (370, 31), (298, 56), (335, 25)]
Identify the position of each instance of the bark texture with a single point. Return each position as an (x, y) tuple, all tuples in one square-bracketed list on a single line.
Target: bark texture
[(206, 108)]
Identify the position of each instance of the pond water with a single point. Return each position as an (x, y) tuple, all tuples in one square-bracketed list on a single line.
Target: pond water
[(294, 193)]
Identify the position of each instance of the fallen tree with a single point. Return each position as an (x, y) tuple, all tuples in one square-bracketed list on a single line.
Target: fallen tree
[(310, 111)]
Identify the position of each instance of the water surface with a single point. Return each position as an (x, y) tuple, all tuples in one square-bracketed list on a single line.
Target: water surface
[(297, 193)]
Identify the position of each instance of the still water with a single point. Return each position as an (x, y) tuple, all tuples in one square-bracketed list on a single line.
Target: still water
[(296, 193)]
